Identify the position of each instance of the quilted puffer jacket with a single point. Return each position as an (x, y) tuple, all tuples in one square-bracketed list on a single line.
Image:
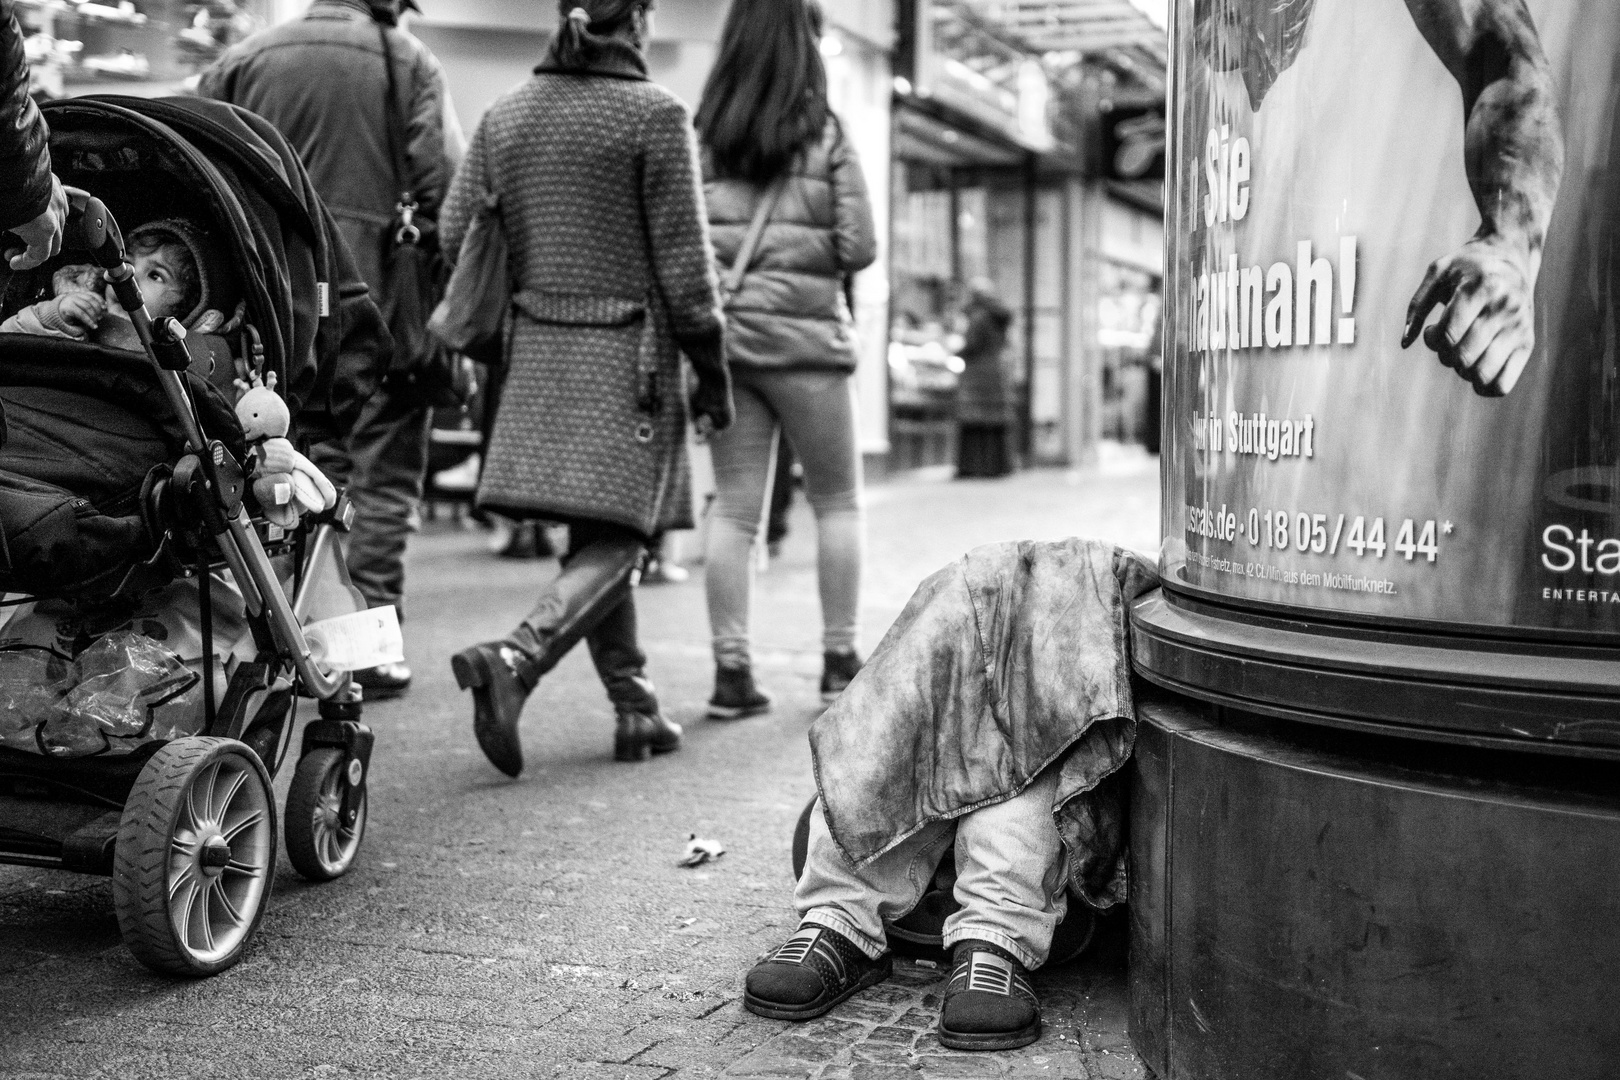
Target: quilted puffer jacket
[(790, 313), (25, 163)]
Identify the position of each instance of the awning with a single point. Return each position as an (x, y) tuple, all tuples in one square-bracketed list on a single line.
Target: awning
[(1115, 31)]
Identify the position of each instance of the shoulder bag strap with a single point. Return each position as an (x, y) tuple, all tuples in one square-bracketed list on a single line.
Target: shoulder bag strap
[(756, 229), (397, 148)]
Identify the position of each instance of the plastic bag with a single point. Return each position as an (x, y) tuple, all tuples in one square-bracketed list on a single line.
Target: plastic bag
[(138, 676), (122, 678), (32, 682)]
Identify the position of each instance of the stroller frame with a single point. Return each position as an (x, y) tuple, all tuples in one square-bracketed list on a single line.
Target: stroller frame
[(187, 828)]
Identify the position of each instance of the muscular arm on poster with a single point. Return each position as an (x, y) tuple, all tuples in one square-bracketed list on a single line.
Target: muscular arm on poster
[(1514, 153)]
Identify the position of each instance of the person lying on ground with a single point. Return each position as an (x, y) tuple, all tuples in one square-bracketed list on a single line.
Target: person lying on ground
[(993, 720)]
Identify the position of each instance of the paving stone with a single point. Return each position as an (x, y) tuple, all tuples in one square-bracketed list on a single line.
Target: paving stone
[(883, 1072), (918, 1019), (964, 1065)]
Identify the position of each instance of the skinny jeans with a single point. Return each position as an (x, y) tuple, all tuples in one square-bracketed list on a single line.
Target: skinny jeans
[(816, 412)]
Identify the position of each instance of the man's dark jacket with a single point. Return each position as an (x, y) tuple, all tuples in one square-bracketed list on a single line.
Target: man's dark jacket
[(25, 164), (320, 80)]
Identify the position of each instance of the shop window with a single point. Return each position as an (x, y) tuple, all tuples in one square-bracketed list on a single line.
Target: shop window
[(142, 47)]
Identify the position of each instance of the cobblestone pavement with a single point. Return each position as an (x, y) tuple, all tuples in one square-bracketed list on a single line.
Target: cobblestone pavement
[(540, 928)]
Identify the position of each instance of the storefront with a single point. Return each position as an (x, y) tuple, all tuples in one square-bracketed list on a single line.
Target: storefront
[(1009, 176), (141, 47), (970, 118), (1376, 819)]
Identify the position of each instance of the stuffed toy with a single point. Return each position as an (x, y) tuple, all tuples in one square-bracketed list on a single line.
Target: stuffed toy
[(286, 483)]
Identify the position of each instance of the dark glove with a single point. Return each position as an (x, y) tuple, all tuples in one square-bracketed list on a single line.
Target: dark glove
[(711, 399)]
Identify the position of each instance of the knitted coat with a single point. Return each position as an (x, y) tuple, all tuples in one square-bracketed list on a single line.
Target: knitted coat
[(595, 173)]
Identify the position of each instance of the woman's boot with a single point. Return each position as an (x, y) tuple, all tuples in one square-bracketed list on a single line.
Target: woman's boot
[(642, 729), (501, 674)]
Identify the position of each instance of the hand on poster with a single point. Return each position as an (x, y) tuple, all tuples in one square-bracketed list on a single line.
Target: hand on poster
[(1487, 327)]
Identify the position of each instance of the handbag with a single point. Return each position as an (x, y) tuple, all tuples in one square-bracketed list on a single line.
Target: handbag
[(732, 282), (424, 371), (472, 317)]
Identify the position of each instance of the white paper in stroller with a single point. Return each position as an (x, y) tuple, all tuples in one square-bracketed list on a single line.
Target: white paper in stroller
[(361, 639), (343, 633)]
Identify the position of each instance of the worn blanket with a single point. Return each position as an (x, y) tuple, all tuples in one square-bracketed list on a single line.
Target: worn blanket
[(1005, 663)]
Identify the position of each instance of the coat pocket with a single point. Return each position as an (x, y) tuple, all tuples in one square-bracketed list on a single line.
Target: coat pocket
[(607, 312)]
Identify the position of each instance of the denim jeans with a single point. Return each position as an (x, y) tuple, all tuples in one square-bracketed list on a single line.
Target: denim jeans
[(1011, 877), (816, 411)]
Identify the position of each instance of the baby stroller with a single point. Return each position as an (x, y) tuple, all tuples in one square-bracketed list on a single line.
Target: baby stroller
[(187, 827)]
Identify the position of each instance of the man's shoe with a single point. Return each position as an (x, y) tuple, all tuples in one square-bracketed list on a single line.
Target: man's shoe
[(815, 970), (491, 672), (837, 671), (383, 681), (989, 1003), (735, 695), (640, 735), (523, 540)]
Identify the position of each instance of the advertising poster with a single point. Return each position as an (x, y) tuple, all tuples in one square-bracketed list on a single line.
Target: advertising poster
[(1392, 340)]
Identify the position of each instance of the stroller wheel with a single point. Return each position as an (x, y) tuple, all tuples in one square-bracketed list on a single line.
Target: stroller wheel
[(195, 856), (320, 846)]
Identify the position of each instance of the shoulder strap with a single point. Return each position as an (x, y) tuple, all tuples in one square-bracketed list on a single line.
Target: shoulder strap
[(397, 148), (756, 229)]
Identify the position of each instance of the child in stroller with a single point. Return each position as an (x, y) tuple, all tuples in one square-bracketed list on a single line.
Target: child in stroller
[(175, 262), (122, 478)]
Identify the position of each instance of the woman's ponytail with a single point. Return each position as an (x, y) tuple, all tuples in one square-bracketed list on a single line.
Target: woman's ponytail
[(573, 37), (586, 25)]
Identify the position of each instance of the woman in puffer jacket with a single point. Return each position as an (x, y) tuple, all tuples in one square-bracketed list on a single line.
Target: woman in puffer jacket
[(766, 132)]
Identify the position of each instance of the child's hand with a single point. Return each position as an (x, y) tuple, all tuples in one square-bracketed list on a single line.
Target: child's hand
[(81, 311)]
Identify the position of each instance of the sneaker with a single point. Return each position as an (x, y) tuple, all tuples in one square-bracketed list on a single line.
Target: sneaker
[(663, 572), (837, 671), (989, 1003), (812, 972), (459, 479), (735, 695)]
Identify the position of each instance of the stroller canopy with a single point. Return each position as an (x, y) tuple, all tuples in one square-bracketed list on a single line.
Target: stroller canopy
[(231, 172)]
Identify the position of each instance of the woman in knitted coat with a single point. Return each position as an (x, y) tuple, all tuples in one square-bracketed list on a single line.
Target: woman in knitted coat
[(595, 175)]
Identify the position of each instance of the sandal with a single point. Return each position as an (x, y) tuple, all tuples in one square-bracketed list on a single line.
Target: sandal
[(813, 971), (989, 1003)]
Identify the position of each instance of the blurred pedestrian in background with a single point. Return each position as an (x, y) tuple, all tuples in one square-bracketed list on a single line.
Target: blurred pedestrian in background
[(983, 394), (322, 80), (770, 141), (35, 206), (776, 525), (595, 174)]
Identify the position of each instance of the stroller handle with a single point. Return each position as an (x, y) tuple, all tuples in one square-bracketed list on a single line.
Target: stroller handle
[(101, 235)]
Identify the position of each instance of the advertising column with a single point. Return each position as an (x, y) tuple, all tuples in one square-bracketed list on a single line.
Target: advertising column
[(1376, 783), (1391, 347)]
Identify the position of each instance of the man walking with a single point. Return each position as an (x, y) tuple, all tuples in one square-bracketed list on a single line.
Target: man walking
[(323, 82)]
